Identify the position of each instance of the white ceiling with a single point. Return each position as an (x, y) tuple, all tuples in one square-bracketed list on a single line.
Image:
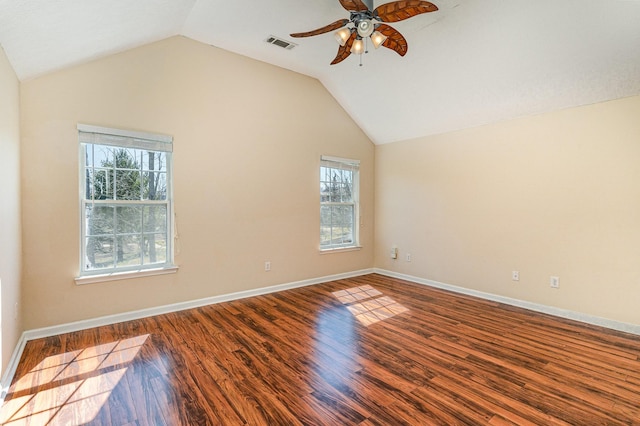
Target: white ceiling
[(470, 63)]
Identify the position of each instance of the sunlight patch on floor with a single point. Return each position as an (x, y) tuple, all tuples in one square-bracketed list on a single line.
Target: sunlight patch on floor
[(49, 395), (369, 305)]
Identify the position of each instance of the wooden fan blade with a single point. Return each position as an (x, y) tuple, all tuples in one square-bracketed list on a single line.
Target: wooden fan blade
[(344, 51), (354, 5), (401, 10), (333, 26), (395, 41)]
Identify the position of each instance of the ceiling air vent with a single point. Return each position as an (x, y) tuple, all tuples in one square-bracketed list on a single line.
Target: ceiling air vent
[(280, 42)]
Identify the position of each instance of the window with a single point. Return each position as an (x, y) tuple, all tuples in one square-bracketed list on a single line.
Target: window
[(125, 200), (338, 203)]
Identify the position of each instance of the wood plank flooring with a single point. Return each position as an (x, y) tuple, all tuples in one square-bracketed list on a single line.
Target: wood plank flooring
[(368, 351)]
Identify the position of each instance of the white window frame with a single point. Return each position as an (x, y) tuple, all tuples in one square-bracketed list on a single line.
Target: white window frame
[(353, 166), (95, 135)]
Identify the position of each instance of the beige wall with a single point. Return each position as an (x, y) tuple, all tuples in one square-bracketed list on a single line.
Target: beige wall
[(10, 252), (247, 142), (554, 194)]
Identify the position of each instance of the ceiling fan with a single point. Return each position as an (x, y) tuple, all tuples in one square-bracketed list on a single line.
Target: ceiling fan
[(370, 23)]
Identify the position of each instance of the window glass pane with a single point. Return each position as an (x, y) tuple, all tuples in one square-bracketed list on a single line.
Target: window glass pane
[(325, 192), (154, 161), (335, 216), (325, 174), (99, 253), (335, 220), (155, 248), (128, 251), (325, 225), (346, 218), (347, 234), (334, 186), (338, 219), (102, 156), (155, 186), (99, 220), (127, 184), (87, 151), (128, 219), (88, 184), (128, 158), (347, 186), (102, 184), (347, 215), (155, 219)]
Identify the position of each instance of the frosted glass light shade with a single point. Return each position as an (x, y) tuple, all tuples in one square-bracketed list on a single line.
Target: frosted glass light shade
[(377, 38), (357, 47), (342, 35)]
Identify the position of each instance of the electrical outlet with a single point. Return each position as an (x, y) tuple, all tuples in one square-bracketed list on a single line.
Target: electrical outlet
[(408, 257), (515, 275), (267, 266), (554, 282)]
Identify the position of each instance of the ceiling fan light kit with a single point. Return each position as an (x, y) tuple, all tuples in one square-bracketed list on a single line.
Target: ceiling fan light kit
[(368, 23)]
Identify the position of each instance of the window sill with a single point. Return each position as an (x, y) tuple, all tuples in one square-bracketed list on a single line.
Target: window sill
[(340, 250), (91, 279)]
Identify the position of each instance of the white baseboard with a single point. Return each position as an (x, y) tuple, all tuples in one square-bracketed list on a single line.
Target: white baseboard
[(39, 333), (7, 377), (562, 313)]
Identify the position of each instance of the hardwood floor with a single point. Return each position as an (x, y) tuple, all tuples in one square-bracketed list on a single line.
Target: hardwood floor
[(370, 350)]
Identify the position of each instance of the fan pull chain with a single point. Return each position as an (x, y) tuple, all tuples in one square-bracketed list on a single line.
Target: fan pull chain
[(366, 49)]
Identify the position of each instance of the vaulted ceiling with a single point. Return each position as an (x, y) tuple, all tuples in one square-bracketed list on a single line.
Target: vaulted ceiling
[(470, 63)]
